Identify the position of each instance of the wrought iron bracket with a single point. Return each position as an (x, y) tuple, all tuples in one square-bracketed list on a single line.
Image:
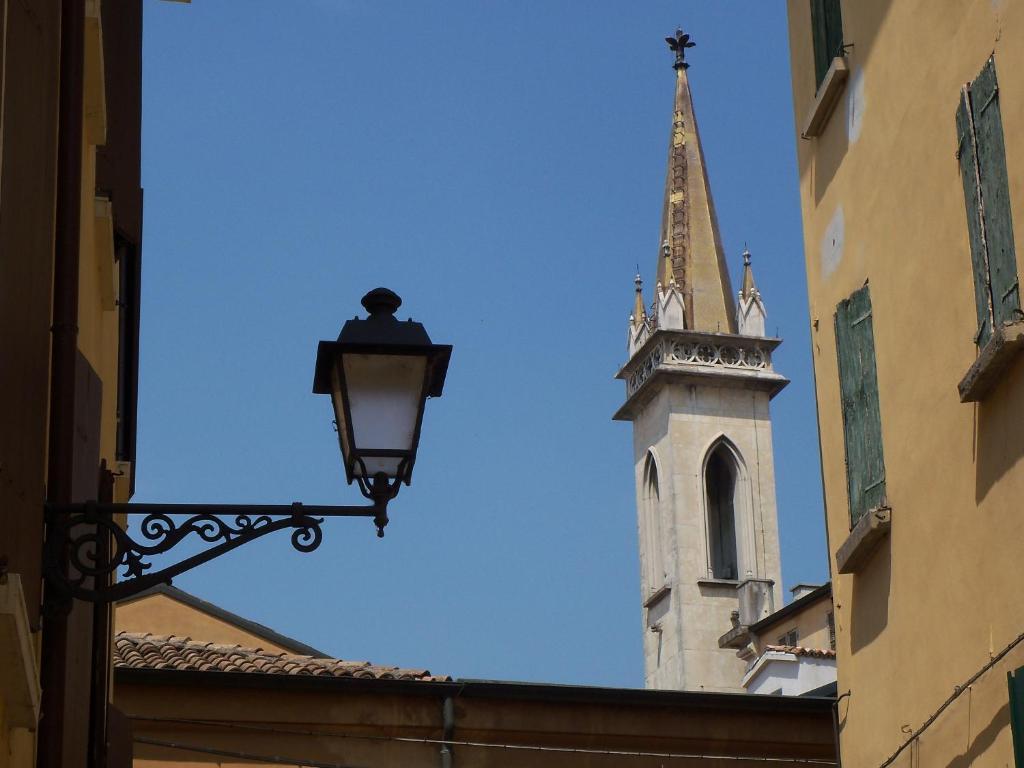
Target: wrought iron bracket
[(87, 543)]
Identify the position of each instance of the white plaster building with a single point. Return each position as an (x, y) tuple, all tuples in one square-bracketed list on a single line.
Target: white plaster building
[(785, 670), (698, 384)]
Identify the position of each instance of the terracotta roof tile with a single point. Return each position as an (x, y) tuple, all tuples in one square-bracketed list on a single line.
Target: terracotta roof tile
[(796, 650), (135, 650)]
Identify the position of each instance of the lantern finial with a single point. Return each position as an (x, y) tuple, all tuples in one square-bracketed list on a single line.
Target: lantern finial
[(381, 301)]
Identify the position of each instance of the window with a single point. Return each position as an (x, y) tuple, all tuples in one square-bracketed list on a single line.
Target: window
[(982, 160), (827, 32), (791, 638), (831, 620), (862, 424), (654, 560), (720, 477)]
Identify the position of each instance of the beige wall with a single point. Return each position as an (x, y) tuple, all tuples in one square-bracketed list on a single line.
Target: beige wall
[(810, 622), (882, 201), (159, 614)]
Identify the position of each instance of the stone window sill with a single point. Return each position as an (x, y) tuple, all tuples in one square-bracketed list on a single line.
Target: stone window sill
[(997, 354), (856, 551), (826, 98), (734, 583)]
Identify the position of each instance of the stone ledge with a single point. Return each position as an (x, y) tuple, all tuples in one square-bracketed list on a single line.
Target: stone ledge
[(872, 527), (657, 594), (738, 637), (826, 98), (1006, 343)]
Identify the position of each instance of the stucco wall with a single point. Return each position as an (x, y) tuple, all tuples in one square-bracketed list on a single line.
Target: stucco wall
[(786, 674), (883, 202), (158, 614), (381, 723), (811, 624)]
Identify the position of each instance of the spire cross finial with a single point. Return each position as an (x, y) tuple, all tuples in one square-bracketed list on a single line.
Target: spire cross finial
[(679, 44), (746, 256)]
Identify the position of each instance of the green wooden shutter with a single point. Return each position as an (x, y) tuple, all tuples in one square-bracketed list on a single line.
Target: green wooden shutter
[(1016, 684), (827, 35), (995, 195), (821, 57), (862, 424), (966, 154)]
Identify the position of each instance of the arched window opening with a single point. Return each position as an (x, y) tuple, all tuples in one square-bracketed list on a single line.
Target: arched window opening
[(655, 563), (720, 481)]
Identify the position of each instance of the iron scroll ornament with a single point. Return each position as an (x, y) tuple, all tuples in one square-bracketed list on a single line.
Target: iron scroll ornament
[(86, 544)]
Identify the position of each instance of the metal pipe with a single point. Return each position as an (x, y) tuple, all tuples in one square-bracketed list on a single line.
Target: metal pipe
[(448, 721), (835, 727), (64, 347)]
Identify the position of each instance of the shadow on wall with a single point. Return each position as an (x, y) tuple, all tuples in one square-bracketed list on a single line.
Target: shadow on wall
[(999, 438), (985, 738), (831, 149), (869, 613)]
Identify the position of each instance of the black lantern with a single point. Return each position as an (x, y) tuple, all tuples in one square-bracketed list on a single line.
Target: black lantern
[(379, 374)]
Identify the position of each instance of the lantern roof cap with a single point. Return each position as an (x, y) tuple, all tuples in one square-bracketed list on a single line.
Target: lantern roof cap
[(384, 334)]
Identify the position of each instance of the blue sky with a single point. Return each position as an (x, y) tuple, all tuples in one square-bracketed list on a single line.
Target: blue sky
[(500, 166)]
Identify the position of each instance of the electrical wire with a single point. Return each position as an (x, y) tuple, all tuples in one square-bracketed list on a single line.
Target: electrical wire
[(438, 742), (953, 697)]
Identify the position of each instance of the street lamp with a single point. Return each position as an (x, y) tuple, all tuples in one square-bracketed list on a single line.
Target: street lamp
[(379, 374)]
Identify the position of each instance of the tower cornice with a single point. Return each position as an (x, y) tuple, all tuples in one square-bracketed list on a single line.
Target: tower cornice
[(707, 358)]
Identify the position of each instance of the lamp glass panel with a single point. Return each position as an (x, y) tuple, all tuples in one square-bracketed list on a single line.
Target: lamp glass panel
[(339, 413), (385, 396)]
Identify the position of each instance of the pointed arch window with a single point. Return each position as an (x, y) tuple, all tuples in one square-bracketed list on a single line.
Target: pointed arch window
[(654, 560), (721, 476)]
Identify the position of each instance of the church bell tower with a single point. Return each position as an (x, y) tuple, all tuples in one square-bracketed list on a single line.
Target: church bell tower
[(698, 384)]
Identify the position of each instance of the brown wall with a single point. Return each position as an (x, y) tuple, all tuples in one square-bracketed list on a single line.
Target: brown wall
[(369, 716)]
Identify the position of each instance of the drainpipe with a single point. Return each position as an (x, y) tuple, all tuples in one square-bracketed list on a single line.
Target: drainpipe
[(835, 727), (448, 719), (64, 346)]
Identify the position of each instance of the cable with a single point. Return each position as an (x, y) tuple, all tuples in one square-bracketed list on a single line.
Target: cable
[(242, 755), (955, 695), (413, 740)]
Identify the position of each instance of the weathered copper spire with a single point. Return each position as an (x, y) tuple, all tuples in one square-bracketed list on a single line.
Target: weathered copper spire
[(695, 259)]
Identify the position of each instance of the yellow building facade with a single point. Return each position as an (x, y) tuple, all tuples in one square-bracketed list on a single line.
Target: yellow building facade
[(910, 115), (70, 242)]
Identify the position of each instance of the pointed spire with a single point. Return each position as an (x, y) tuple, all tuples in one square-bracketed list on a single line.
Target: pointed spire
[(750, 311), (639, 313), (639, 325), (694, 260), (749, 288), (667, 276)]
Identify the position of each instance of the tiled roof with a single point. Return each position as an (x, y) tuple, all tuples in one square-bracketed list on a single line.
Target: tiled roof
[(796, 650), (134, 650)]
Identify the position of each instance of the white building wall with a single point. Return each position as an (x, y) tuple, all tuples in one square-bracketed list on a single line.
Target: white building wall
[(787, 674), (679, 426)]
